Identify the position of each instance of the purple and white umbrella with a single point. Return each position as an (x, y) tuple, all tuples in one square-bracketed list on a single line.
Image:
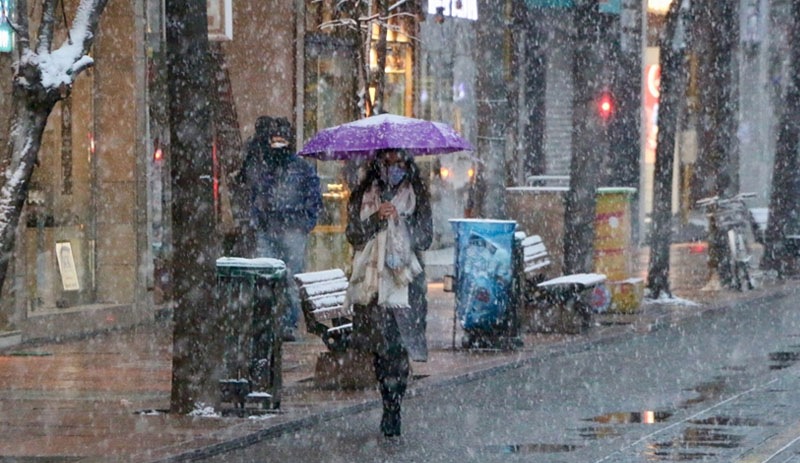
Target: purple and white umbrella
[(362, 138)]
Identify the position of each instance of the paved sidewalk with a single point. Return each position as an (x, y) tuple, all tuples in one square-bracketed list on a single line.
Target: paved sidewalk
[(84, 400)]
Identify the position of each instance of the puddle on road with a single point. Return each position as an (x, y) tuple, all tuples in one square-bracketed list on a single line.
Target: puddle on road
[(735, 368), (706, 391), (726, 421), (598, 432), (645, 417), (693, 444), (524, 449), (660, 455), (782, 359)]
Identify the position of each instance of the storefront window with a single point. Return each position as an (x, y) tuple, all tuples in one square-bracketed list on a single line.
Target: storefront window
[(331, 97), (59, 235), (398, 73)]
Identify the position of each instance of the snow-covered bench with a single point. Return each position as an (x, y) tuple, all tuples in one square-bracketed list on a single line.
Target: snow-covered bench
[(322, 296), (566, 295), (322, 301)]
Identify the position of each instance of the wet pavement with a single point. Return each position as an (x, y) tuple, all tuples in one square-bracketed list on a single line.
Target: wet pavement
[(97, 399)]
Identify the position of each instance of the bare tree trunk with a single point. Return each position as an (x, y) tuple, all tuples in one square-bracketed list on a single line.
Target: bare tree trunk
[(587, 130), (533, 114), (27, 127), (493, 115), (717, 164), (193, 260), (784, 204), (672, 85), (625, 129)]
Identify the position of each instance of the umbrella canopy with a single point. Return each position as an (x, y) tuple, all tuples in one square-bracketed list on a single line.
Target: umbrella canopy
[(362, 138)]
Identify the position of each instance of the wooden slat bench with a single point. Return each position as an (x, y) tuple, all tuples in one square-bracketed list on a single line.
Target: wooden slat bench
[(322, 297), (557, 304)]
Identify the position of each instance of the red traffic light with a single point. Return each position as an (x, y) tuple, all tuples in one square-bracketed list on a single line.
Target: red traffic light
[(605, 106)]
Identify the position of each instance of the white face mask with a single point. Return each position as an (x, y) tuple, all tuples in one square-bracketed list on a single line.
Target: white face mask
[(278, 144)]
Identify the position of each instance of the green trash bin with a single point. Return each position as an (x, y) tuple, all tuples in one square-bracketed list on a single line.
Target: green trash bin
[(251, 294)]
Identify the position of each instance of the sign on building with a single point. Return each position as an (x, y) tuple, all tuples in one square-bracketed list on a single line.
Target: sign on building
[(220, 19), (465, 9), (605, 6)]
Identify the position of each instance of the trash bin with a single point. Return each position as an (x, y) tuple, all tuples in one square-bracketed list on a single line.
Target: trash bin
[(483, 282), (614, 249), (251, 294)]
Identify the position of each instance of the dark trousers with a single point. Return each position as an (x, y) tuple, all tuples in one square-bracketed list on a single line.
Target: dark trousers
[(392, 371), (375, 330)]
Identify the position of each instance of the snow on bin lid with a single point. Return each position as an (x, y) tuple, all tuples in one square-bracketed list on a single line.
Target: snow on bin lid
[(584, 279), (617, 189), (483, 221), (539, 189), (257, 263)]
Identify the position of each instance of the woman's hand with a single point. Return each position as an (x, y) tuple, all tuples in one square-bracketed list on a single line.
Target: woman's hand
[(387, 210)]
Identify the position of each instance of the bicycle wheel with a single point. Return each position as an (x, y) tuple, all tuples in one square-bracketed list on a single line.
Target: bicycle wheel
[(733, 261), (743, 261), (739, 261)]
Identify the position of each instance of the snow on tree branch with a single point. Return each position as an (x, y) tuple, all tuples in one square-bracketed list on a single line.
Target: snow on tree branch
[(59, 68), (42, 77), (46, 27)]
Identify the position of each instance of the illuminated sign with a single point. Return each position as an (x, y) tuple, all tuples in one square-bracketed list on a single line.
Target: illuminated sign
[(6, 33), (220, 19), (652, 91), (550, 3), (6, 39), (610, 6), (604, 6), (465, 9)]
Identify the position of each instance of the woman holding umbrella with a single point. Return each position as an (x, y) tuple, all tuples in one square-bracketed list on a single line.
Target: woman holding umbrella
[(389, 225)]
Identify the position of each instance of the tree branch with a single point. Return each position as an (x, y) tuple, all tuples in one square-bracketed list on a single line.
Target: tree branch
[(86, 22), (23, 39), (44, 40)]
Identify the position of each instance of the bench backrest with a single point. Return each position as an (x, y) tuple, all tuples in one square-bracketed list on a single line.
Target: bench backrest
[(324, 293), (535, 258), (322, 296)]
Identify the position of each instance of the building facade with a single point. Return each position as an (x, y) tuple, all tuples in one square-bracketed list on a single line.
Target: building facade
[(94, 242)]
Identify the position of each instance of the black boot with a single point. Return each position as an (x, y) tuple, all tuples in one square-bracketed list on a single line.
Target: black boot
[(390, 422), (391, 371)]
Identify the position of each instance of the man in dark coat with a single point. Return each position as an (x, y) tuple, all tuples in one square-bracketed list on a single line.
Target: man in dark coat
[(285, 203), (389, 225)]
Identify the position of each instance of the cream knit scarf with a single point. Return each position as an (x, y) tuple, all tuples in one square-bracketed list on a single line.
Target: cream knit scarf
[(387, 264)]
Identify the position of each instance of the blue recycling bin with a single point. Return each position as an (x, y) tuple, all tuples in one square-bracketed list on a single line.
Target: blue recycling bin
[(483, 280)]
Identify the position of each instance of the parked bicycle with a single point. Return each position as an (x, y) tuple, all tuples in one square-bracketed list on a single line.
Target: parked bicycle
[(732, 219)]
